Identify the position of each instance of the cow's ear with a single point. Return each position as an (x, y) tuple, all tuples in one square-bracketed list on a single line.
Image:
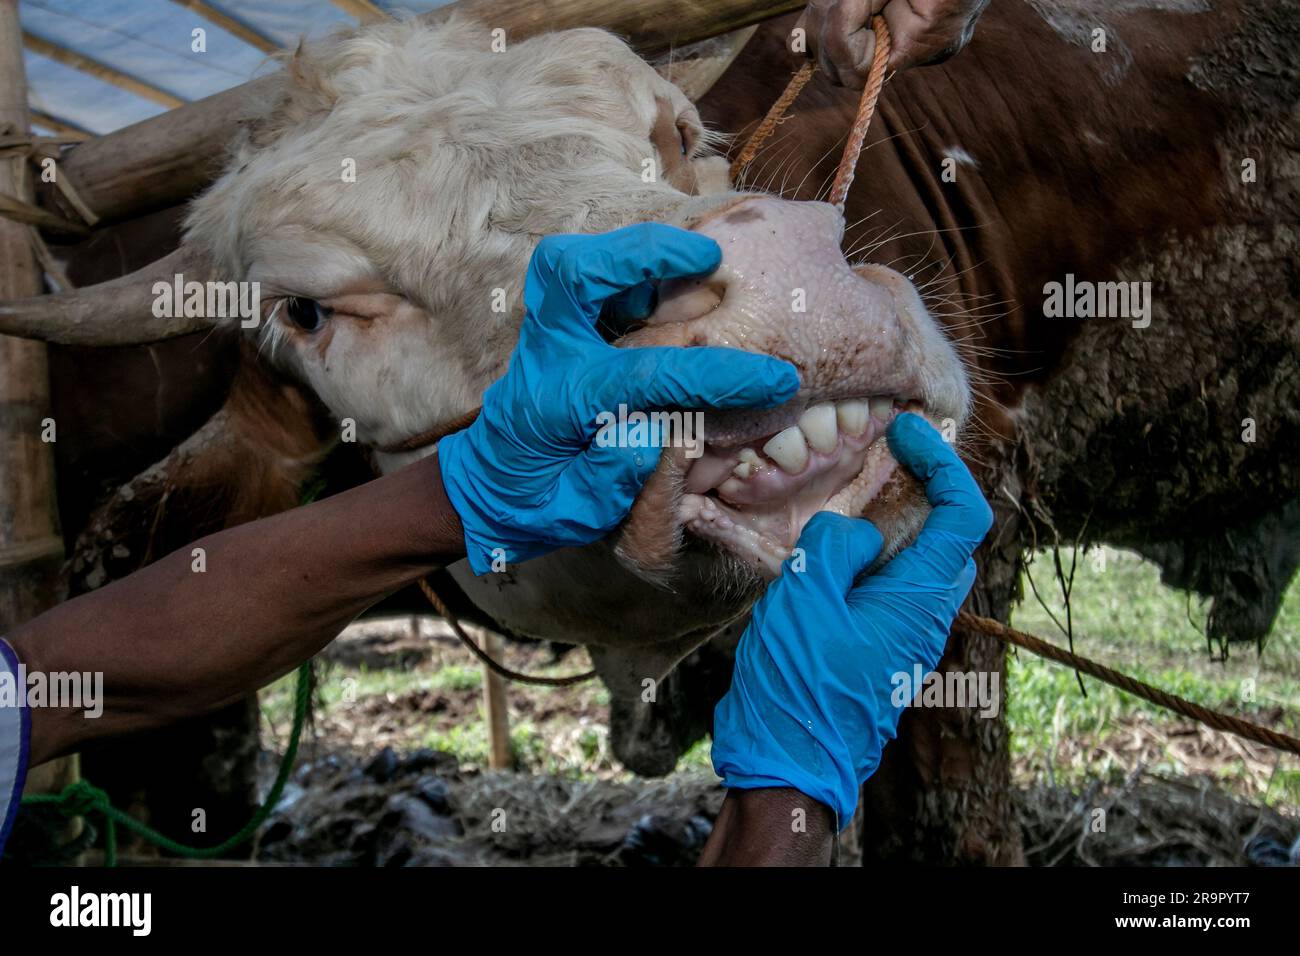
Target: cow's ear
[(694, 69)]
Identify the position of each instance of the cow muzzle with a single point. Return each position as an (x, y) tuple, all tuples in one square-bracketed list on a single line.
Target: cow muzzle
[(865, 348)]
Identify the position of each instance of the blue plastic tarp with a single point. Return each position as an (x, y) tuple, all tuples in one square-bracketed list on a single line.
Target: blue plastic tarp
[(153, 41)]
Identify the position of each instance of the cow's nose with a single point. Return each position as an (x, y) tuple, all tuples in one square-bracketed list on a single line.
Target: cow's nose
[(784, 289), (831, 217), (763, 242)]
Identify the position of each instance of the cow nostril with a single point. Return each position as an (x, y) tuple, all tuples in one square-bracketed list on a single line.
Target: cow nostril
[(627, 311), (685, 300)]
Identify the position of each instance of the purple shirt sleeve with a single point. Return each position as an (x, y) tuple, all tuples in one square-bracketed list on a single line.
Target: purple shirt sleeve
[(15, 732)]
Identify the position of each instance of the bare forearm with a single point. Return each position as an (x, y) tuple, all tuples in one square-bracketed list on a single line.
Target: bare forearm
[(181, 636), (776, 827)]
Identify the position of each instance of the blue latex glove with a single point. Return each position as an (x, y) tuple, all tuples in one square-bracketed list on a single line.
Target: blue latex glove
[(526, 477), (809, 705)]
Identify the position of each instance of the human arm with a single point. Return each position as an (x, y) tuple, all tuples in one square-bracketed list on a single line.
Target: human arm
[(172, 641)]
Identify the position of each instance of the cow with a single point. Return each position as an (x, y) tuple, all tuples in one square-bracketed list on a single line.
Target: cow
[(489, 153), (1031, 157), (396, 323)]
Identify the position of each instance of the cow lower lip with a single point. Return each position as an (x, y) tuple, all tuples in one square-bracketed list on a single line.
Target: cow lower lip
[(759, 517)]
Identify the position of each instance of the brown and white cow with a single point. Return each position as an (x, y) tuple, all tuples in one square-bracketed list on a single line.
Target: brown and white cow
[(1031, 156)]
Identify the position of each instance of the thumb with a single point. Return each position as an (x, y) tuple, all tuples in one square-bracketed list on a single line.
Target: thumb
[(836, 551), (596, 489)]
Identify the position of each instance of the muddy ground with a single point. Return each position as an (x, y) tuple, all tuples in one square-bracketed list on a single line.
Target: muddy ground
[(391, 774)]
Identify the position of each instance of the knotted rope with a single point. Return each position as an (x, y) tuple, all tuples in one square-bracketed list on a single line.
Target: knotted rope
[(82, 799)]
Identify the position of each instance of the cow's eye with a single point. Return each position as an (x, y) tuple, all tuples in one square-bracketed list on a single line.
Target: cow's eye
[(307, 314), (687, 137)]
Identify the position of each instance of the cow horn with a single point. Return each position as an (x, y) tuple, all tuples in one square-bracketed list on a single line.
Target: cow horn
[(695, 68), (117, 312)]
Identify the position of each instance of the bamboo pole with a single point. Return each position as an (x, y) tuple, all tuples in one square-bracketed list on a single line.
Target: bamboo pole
[(494, 704), (31, 549), (363, 10), (225, 21), (101, 71), (168, 159)]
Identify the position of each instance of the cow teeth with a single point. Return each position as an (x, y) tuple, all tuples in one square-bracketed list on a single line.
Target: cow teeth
[(788, 449), (880, 407), (750, 457), (818, 426), (743, 470), (853, 416)]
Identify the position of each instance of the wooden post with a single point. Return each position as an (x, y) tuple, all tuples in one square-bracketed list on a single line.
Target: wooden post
[(494, 704), (31, 548)]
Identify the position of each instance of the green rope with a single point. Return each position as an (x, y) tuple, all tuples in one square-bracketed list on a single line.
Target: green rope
[(81, 799)]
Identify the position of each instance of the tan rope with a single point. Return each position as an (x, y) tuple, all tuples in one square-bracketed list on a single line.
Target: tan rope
[(857, 134), (772, 119), (1179, 705), (866, 109)]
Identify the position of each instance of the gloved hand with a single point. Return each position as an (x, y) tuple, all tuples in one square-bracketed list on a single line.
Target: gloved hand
[(526, 477), (809, 705)]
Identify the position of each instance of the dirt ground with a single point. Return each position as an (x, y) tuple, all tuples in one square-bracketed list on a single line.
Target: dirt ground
[(391, 773)]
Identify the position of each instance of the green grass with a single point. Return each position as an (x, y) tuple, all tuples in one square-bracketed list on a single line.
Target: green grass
[(1124, 617), (334, 682), (568, 746), (457, 677)]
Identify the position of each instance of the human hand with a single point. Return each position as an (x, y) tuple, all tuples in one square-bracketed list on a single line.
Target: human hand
[(526, 477), (922, 31), (810, 700)]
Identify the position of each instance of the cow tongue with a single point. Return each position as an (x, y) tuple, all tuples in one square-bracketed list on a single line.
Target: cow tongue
[(754, 498)]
